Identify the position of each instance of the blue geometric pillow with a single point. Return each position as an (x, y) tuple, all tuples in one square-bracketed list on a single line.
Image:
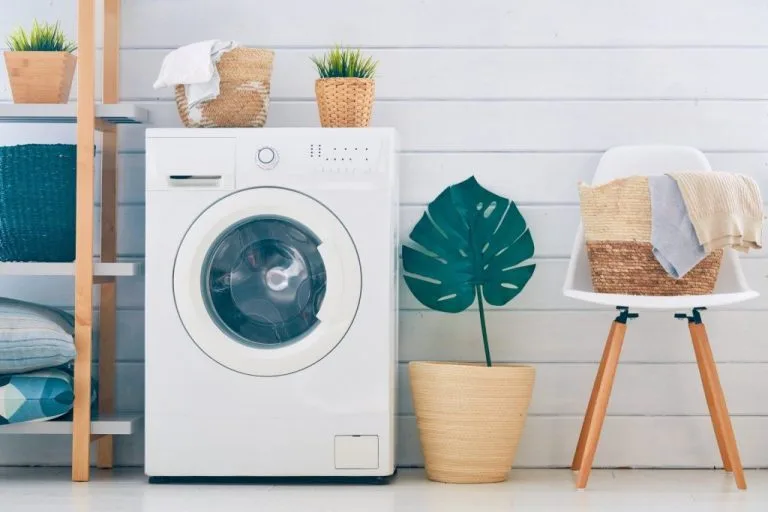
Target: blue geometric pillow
[(35, 396), (33, 337)]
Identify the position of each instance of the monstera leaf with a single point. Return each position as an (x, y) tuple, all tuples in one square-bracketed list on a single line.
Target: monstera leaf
[(469, 243)]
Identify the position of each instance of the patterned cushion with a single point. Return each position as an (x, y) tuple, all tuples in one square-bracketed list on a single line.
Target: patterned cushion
[(33, 337), (35, 396)]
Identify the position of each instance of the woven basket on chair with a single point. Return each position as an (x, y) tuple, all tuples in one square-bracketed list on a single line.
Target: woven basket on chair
[(37, 202), (243, 101), (617, 228), (470, 418), (345, 102)]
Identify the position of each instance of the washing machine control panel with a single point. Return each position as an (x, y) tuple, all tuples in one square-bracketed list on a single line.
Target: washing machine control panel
[(332, 156)]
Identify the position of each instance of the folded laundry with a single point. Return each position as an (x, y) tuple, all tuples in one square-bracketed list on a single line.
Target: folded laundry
[(675, 244), (194, 66), (726, 209)]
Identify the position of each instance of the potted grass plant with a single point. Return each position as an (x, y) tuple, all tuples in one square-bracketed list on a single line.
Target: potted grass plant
[(40, 64), (345, 89), (471, 246)]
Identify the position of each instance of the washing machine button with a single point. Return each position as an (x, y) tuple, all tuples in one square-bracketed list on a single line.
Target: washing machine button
[(266, 157)]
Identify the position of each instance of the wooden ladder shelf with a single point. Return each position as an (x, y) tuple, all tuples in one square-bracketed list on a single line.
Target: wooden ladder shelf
[(89, 118)]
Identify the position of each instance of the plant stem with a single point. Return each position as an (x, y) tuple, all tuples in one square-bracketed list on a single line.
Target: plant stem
[(482, 326)]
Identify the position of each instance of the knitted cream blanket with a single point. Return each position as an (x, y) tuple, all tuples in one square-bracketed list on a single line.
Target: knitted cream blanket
[(725, 208)]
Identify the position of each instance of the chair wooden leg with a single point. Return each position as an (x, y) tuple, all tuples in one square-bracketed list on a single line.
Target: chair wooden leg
[(603, 395), (579, 454), (709, 394), (718, 408)]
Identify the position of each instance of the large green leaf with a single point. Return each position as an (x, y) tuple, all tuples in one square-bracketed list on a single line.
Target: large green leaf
[(469, 237)]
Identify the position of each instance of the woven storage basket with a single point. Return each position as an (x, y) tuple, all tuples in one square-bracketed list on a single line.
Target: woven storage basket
[(470, 418), (243, 101), (37, 202), (345, 102), (617, 228)]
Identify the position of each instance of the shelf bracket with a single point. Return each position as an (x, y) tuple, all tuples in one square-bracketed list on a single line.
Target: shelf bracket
[(104, 126)]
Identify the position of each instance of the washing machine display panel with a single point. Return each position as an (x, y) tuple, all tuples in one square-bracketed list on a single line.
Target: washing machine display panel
[(264, 281)]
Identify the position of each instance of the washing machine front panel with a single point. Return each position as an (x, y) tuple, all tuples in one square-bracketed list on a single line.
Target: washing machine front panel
[(267, 281)]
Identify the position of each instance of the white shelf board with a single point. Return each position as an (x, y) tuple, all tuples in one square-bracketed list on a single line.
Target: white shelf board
[(21, 268), (117, 424), (119, 113)]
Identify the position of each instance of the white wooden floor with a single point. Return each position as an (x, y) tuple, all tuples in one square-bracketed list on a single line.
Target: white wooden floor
[(47, 489)]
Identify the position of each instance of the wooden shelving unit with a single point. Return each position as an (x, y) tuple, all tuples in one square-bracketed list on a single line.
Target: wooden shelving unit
[(89, 118)]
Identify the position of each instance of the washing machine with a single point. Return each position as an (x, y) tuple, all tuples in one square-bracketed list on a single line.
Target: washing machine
[(271, 303)]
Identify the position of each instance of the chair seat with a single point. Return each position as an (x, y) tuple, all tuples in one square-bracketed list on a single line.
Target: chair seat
[(675, 303)]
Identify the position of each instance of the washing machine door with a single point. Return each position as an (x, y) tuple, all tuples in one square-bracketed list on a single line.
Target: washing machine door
[(267, 281)]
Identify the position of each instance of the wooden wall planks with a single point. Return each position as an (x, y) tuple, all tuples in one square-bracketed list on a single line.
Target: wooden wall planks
[(560, 83)]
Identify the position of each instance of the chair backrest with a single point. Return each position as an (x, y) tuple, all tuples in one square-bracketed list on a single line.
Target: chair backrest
[(624, 161)]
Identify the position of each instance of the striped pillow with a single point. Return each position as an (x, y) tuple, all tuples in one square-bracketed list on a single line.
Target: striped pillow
[(33, 337)]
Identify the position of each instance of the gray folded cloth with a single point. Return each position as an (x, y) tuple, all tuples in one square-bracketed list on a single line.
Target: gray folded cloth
[(673, 236)]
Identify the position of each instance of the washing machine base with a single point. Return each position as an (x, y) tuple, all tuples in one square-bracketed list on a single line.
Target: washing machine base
[(274, 480)]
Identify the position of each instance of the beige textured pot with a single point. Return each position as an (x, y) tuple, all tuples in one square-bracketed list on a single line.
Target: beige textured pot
[(470, 418), (345, 102), (40, 77)]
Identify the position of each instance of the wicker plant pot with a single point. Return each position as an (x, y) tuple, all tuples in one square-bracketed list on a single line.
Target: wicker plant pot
[(40, 77), (243, 102), (345, 102), (470, 418)]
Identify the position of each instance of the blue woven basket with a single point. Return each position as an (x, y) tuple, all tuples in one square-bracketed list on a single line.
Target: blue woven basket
[(37, 202)]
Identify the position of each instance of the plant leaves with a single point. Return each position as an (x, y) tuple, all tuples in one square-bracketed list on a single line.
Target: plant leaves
[(468, 237), (505, 286), (43, 37), (344, 62)]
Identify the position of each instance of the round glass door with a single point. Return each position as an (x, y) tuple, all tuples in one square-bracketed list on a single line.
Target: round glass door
[(267, 281), (264, 281)]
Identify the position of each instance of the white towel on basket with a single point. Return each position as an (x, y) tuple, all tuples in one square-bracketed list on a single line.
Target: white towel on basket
[(194, 66)]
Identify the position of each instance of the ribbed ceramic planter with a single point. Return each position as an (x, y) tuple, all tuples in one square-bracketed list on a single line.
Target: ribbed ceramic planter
[(345, 102), (40, 77), (470, 418)]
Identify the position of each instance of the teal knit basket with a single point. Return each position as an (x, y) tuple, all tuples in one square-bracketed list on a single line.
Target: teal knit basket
[(37, 202)]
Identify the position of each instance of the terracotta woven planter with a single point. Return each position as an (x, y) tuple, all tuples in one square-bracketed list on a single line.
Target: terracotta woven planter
[(345, 102), (40, 77), (470, 418)]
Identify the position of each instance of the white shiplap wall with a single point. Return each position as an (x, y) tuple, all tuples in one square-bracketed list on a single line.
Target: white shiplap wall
[(525, 94)]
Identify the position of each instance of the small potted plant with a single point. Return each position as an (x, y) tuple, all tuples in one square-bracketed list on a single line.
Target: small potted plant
[(345, 89), (40, 64), (470, 246)]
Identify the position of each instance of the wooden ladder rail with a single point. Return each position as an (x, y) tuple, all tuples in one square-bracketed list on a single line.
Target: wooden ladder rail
[(108, 295), (84, 279)]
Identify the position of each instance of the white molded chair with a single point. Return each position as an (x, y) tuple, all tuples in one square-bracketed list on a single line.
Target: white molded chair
[(731, 287)]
